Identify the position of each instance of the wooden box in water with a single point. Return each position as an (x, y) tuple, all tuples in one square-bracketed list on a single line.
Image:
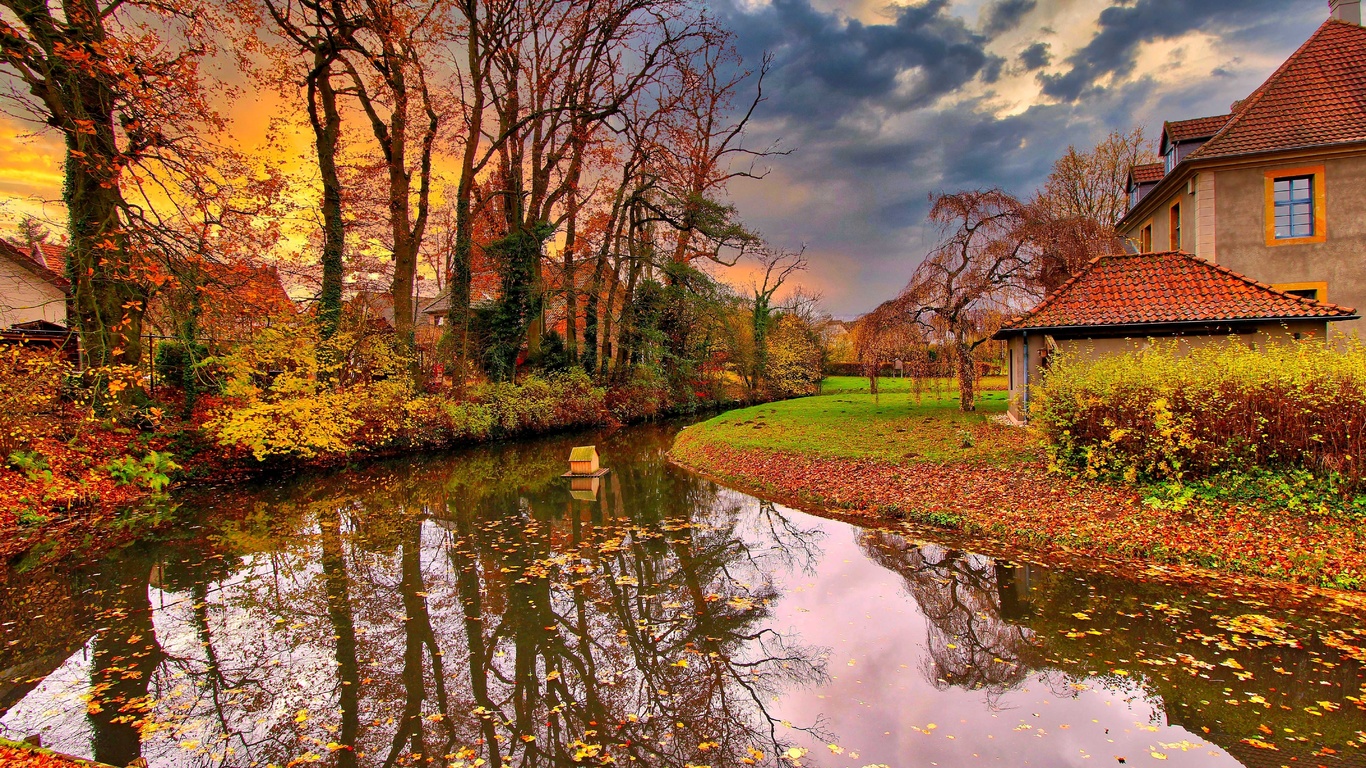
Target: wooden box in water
[(583, 460)]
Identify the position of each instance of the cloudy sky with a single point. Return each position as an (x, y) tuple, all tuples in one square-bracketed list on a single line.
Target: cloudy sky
[(885, 104)]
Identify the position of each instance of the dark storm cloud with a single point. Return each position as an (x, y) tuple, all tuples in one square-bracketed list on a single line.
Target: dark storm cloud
[(1128, 25), (827, 65), (863, 106), (1005, 15), (1036, 56)]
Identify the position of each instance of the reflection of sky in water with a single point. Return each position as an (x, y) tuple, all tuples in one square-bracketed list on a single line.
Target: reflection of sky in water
[(880, 705), (250, 672)]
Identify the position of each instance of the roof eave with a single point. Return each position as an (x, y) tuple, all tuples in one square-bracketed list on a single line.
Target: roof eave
[(1006, 333), (1194, 162)]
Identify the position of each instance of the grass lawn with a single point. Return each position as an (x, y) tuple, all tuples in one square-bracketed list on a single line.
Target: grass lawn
[(895, 426)]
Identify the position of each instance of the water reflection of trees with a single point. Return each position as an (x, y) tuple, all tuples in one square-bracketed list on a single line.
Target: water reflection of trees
[(460, 612), (973, 639), (1224, 669)]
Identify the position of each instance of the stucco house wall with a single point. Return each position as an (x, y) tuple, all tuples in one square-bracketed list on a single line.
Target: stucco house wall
[(25, 297), (1088, 348), (1188, 196), (1339, 261)]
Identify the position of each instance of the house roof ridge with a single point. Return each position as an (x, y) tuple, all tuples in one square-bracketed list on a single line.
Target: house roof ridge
[(21, 256), (1222, 119), (1245, 106), (1048, 298), (1329, 31), (1269, 287)]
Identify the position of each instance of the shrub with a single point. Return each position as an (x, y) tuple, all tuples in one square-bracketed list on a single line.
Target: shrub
[(383, 415), (1172, 413), (644, 396), (794, 359), (176, 361), (303, 427)]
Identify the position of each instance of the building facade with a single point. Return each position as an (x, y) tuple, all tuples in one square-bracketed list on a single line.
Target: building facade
[(1124, 302), (30, 289), (1275, 190)]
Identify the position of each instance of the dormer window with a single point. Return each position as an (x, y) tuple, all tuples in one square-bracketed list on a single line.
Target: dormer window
[(1169, 159)]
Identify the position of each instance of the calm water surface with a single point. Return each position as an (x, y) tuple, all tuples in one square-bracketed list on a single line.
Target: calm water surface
[(469, 610)]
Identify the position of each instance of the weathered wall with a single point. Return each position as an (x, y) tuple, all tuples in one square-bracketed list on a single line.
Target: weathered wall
[(1340, 260), (25, 296)]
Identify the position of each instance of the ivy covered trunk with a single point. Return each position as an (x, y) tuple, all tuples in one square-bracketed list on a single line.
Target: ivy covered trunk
[(456, 336), (107, 298), (108, 302), (519, 258), (326, 120)]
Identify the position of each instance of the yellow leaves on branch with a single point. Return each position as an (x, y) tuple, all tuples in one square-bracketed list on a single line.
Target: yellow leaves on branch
[(306, 427)]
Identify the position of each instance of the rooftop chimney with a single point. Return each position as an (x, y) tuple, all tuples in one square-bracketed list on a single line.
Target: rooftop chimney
[(1346, 10)]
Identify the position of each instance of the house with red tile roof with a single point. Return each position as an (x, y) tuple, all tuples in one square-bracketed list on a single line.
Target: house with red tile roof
[(32, 288), (1122, 302), (1276, 189)]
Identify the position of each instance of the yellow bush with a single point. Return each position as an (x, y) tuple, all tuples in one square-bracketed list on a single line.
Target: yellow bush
[(304, 427), (1170, 411)]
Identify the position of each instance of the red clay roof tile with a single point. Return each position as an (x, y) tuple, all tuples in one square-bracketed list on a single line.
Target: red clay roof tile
[(1197, 128), (1170, 287), (1148, 174), (19, 255), (1316, 98)]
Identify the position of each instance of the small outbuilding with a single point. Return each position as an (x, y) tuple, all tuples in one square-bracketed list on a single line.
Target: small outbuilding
[(1120, 303), (583, 460)]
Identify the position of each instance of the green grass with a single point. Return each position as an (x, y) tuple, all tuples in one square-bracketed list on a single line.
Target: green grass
[(847, 422)]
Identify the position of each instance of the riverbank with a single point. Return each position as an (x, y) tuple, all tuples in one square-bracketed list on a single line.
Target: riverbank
[(79, 482), (14, 754), (892, 458)]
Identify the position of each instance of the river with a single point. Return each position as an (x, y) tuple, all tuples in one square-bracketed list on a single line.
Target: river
[(470, 610)]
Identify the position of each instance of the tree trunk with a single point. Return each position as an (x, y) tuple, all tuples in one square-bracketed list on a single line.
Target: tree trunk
[(458, 284), (326, 120), (109, 304), (570, 279), (626, 333), (460, 273), (967, 376), (400, 214)]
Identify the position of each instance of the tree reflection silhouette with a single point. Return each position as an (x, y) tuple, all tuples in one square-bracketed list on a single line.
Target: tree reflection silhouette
[(971, 644), (456, 612), (123, 660)]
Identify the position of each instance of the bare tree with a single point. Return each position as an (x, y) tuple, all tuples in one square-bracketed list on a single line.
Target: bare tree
[(983, 260), (387, 59), (1091, 185)]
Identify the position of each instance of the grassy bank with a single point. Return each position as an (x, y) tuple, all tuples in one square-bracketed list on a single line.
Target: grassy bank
[(896, 457)]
